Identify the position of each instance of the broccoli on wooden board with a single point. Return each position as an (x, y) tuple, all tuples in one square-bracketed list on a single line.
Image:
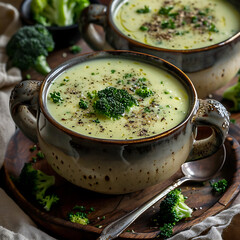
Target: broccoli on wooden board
[(34, 183), (79, 215), (172, 209), (29, 47)]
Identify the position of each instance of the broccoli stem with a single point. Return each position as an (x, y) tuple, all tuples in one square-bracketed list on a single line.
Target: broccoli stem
[(41, 65), (183, 210)]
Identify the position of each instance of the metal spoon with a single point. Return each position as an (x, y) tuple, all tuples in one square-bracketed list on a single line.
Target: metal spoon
[(199, 171)]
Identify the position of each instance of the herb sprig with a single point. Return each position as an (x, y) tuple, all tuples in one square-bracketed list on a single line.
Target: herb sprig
[(146, 9), (56, 97)]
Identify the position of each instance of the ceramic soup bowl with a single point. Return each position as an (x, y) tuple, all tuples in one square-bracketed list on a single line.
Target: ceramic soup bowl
[(209, 66), (108, 164)]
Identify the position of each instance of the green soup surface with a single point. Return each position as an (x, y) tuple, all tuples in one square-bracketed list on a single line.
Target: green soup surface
[(178, 24), (161, 101)]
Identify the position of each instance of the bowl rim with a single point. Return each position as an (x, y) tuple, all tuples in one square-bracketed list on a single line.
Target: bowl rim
[(179, 74), (111, 8)]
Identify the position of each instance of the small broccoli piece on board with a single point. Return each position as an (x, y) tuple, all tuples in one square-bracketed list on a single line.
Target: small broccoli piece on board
[(48, 201), (219, 186), (79, 214), (29, 47), (75, 49), (78, 217)]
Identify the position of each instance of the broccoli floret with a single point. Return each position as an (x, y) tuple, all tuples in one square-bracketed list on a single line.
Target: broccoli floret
[(173, 208), (56, 97), (112, 102), (233, 94), (78, 217), (29, 47), (83, 104), (79, 208), (34, 183), (220, 186), (48, 201), (57, 12), (75, 49), (92, 95), (144, 92), (166, 230)]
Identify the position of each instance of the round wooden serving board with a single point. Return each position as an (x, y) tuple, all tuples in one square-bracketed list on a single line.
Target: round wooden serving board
[(110, 207)]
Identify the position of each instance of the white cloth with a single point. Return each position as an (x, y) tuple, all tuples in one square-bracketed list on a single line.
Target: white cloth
[(9, 22), (211, 228), (14, 223)]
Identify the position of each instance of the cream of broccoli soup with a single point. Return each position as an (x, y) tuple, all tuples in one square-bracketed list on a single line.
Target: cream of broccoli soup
[(117, 99), (178, 24)]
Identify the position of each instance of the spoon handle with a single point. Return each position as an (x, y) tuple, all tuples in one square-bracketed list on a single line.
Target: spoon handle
[(114, 229)]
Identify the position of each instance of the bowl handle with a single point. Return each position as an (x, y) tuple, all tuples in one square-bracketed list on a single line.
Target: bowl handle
[(213, 114), (94, 14), (24, 107)]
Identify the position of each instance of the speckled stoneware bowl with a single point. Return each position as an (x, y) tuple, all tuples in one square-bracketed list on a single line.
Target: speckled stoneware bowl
[(117, 166), (209, 68)]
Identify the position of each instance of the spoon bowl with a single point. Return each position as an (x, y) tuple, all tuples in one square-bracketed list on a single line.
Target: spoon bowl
[(206, 168), (198, 170)]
